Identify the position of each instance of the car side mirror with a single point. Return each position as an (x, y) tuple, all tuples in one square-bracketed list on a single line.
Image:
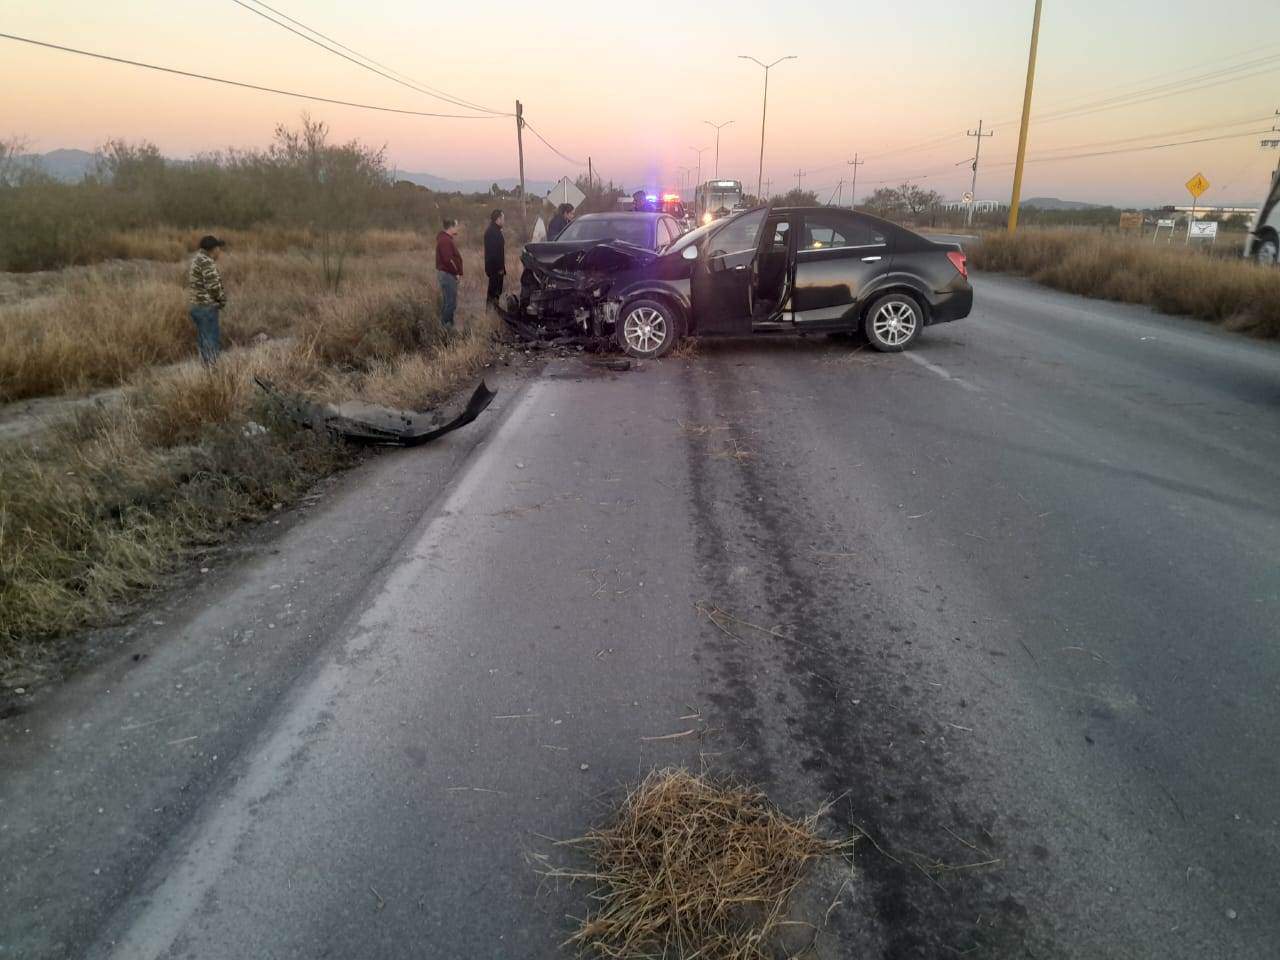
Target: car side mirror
[(690, 252)]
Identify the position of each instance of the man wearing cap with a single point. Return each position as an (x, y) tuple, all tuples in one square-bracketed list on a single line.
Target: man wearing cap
[(207, 298)]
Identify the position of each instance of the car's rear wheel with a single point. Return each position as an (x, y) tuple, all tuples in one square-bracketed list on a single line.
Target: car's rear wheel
[(647, 329), (893, 322), (1267, 253)]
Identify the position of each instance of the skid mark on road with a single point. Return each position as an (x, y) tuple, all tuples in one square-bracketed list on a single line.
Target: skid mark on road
[(942, 372)]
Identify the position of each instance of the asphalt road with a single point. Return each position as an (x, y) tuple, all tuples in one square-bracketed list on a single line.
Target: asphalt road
[(1020, 596)]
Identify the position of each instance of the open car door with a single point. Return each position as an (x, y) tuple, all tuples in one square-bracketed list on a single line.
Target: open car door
[(724, 278)]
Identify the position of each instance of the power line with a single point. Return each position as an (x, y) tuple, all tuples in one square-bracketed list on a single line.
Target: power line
[(407, 82), (562, 156), (1078, 108), (1154, 146), (239, 83)]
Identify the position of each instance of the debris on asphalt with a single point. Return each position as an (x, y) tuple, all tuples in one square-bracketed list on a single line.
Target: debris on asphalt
[(371, 423), (689, 867)]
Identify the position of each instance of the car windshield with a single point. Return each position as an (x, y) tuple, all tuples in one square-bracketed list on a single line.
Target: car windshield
[(629, 229)]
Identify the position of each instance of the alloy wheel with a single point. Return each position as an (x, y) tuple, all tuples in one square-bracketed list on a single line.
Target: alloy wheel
[(894, 323), (645, 330)]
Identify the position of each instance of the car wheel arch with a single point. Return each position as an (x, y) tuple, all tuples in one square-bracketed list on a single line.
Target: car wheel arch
[(671, 299), (922, 301)]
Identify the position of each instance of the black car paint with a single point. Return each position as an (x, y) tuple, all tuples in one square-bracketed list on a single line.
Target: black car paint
[(823, 289)]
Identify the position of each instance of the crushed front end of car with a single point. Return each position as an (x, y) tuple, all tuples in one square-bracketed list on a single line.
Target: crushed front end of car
[(573, 295)]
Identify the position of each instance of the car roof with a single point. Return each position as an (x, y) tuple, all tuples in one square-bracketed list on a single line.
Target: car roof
[(614, 214)]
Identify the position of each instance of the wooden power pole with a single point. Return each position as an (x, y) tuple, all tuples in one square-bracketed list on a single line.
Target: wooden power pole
[(524, 217)]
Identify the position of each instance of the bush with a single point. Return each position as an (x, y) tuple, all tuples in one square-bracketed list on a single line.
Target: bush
[(1174, 279)]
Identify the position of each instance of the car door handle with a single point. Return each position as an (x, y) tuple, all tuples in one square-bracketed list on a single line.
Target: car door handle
[(870, 259), (743, 266)]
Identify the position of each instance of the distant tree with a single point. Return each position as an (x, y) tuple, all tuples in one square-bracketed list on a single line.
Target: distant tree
[(130, 166), (600, 197), (798, 198), (336, 187), (12, 160)]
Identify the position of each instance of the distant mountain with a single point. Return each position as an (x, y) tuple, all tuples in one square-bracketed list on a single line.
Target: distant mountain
[(445, 185), (1053, 203), (68, 165)]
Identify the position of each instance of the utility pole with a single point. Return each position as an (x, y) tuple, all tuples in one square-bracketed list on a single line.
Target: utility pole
[(1026, 120), (855, 163), (764, 110), (717, 127), (684, 177), (591, 178), (524, 217), (840, 193), (768, 185), (799, 180), (699, 151), (977, 153), (1273, 143)]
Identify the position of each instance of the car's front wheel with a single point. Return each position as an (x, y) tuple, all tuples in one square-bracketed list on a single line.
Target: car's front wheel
[(1267, 252), (647, 329), (893, 322)]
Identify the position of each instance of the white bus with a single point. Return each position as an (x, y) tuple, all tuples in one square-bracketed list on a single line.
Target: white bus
[(716, 198)]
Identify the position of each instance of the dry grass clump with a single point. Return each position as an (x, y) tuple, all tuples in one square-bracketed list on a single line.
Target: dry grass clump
[(1174, 279), (98, 326), (693, 868)]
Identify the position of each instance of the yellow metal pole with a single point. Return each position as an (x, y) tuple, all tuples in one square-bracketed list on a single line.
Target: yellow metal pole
[(1026, 119)]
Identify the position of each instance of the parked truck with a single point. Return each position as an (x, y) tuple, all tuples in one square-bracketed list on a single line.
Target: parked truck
[(1263, 243)]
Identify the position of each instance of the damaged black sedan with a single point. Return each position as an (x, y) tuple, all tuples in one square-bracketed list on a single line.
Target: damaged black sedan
[(765, 270)]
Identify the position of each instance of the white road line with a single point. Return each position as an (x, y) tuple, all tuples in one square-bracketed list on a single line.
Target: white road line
[(944, 374), (207, 847)]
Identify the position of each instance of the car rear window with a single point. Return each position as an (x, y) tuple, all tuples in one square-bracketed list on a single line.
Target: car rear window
[(827, 231), (628, 229)]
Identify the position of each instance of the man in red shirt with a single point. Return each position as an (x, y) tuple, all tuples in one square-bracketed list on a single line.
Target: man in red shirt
[(448, 270)]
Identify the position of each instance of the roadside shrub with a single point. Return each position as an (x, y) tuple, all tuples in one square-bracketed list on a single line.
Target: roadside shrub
[(1172, 279)]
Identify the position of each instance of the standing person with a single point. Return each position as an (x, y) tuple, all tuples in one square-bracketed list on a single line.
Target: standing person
[(448, 270), (206, 297), (638, 202), (495, 256), (563, 217)]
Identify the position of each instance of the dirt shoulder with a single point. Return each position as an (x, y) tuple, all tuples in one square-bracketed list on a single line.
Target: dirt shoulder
[(103, 769)]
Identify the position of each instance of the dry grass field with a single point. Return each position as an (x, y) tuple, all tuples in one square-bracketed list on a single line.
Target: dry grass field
[(1229, 291), (97, 508)]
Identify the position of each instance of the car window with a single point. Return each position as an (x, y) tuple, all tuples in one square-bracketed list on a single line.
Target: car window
[(824, 231), (661, 233), (693, 236), (629, 229), (739, 234), (781, 239)]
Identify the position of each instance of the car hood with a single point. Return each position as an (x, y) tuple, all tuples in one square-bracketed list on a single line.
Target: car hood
[(590, 256)]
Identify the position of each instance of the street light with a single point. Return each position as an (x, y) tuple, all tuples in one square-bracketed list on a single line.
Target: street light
[(684, 174), (699, 151), (764, 109), (717, 127)]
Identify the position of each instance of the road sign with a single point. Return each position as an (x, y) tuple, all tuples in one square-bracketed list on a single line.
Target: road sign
[(565, 192), (1165, 223), (1131, 220), (1204, 229), (967, 197), (1197, 185)]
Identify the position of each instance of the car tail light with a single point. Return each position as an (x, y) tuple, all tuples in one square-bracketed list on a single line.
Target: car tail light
[(960, 262)]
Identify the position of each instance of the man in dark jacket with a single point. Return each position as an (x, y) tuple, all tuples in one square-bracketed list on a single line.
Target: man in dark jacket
[(563, 217), (495, 256), (448, 271)]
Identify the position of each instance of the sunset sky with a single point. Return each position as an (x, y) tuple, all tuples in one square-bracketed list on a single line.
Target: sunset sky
[(630, 84)]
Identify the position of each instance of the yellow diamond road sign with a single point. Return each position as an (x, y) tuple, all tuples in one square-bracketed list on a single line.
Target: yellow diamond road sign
[(1197, 185)]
